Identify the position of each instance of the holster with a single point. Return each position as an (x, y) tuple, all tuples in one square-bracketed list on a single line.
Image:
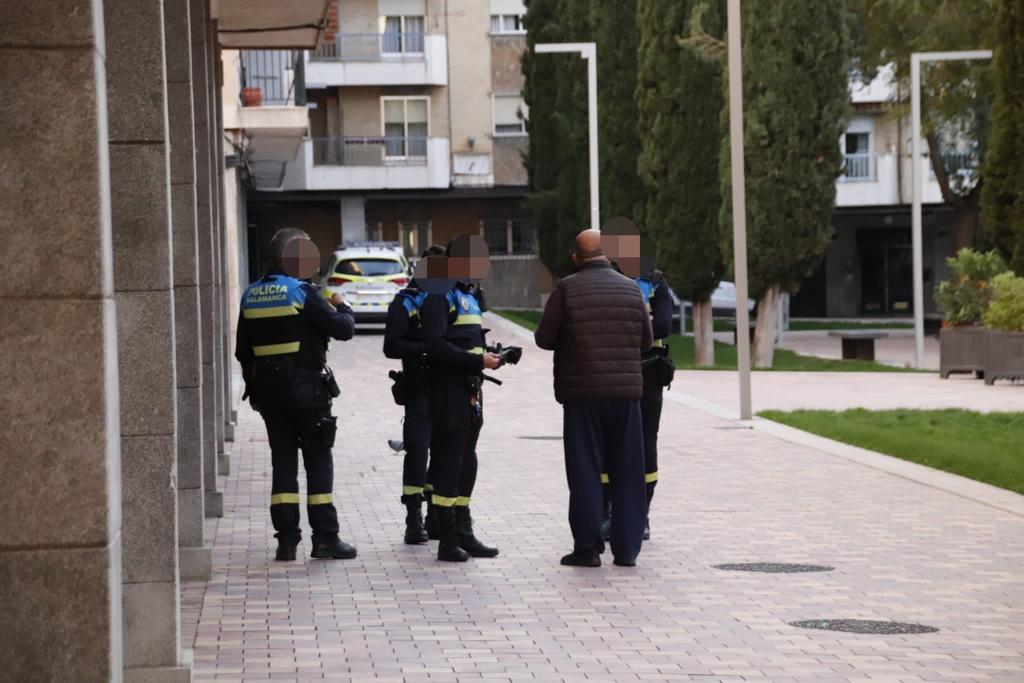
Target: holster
[(321, 434), (398, 388), (659, 366)]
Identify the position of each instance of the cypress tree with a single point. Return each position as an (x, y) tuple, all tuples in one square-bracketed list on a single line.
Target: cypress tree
[(679, 99), (615, 31), (1002, 197), (546, 142), (795, 71)]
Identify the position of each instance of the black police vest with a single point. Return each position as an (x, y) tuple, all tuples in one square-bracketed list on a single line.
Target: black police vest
[(272, 308), (465, 321)]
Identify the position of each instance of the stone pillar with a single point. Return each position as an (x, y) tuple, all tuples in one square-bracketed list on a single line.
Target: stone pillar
[(228, 256), (60, 471), (353, 218), (199, 22), (194, 556), (141, 228), (216, 192)]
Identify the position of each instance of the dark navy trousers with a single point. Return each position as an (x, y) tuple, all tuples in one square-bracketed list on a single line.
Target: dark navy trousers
[(605, 434)]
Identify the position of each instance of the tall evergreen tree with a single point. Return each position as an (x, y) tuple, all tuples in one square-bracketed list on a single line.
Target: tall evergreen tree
[(679, 101), (1002, 198), (795, 73), (615, 32), (547, 142)]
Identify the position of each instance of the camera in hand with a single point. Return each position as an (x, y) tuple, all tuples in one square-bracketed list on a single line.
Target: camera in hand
[(508, 354)]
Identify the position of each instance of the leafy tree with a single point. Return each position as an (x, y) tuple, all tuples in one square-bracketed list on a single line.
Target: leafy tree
[(1002, 198), (955, 95), (547, 142), (615, 31), (679, 100), (795, 69)]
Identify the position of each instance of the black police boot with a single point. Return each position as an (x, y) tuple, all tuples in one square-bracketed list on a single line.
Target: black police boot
[(333, 550), (467, 539), (414, 531), (431, 521), (448, 549), (285, 552)]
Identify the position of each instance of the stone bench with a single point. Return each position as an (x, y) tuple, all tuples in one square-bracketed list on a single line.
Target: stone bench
[(858, 344)]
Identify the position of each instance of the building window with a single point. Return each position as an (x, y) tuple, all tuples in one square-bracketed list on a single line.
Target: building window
[(857, 158), (510, 114), (401, 35), (406, 124), (507, 24), (506, 237)]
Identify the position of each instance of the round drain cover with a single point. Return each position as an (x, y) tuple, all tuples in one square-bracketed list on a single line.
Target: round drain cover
[(864, 626), (774, 567)]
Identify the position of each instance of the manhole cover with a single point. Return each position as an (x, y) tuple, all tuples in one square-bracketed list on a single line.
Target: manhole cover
[(864, 626), (541, 438), (774, 567)]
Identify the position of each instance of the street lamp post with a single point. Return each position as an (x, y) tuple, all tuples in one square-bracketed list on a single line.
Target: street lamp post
[(916, 59), (589, 52), (739, 207)]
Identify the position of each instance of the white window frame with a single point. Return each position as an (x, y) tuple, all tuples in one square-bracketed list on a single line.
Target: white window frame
[(501, 25), (383, 122), (494, 116), (382, 23)]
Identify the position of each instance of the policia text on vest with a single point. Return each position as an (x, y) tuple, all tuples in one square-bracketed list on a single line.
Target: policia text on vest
[(283, 331)]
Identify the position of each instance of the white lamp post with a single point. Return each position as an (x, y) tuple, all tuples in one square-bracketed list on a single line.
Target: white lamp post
[(916, 59), (589, 52), (739, 207)]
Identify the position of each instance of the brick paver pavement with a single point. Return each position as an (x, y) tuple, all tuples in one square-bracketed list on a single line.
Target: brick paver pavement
[(901, 551)]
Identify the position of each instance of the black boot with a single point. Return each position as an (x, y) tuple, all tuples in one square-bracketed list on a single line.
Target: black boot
[(467, 539), (285, 551), (448, 549), (333, 550), (431, 522), (414, 531)]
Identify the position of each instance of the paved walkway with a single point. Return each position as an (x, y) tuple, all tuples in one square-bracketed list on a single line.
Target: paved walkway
[(901, 551)]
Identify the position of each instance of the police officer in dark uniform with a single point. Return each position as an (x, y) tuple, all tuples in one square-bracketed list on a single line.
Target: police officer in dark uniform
[(283, 331), (404, 339), (458, 355)]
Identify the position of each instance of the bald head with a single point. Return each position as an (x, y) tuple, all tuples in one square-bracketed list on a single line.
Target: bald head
[(588, 246)]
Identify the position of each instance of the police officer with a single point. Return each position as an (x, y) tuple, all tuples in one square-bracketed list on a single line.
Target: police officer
[(456, 350), (404, 340), (283, 332)]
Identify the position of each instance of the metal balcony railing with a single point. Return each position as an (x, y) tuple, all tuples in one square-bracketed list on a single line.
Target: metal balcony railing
[(279, 74), (371, 47), (858, 167), (369, 151)]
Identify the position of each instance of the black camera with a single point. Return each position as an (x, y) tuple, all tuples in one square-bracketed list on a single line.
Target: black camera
[(508, 354)]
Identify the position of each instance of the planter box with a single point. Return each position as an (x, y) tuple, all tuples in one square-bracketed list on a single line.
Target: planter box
[(962, 349), (1004, 356)]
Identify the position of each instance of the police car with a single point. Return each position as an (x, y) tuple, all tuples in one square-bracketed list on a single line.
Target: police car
[(368, 275)]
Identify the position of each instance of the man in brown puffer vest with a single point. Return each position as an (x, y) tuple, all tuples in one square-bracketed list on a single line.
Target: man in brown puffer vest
[(596, 322)]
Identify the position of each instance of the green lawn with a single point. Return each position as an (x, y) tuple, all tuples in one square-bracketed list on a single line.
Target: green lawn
[(986, 447), (813, 325), (681, 349)]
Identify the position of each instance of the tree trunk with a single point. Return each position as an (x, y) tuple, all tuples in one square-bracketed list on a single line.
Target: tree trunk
[(703, 334), (767, 327)]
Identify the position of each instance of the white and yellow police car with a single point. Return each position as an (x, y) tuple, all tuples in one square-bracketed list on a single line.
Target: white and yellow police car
[(368, 275)]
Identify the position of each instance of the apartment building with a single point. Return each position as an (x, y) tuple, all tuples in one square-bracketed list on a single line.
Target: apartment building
[(416, 130), (867, 270)]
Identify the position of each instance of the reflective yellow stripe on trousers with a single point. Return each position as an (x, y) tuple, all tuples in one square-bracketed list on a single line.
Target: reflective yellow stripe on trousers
[(279, 498), (320, 499)]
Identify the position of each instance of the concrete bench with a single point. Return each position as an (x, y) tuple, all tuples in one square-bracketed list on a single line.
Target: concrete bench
[(858, 344)]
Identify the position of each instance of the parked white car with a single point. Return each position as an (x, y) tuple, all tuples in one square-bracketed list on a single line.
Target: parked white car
[(368, 275)]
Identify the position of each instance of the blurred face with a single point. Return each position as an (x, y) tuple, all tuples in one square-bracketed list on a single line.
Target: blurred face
[(625, 251), (432, 275), (300, 258), (469, 260)]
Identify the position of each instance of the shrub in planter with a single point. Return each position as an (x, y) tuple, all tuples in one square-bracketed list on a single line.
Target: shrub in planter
[(965, 297), (1004, 356)]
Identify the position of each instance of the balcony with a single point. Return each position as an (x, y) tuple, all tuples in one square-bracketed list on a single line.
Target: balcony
[(870, 179), (379, 59), (371, 163), (858, 168), (268, 105)]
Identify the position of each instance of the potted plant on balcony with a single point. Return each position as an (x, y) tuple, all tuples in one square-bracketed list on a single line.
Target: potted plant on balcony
[(252, 96), (1004, 353), (965, 297)]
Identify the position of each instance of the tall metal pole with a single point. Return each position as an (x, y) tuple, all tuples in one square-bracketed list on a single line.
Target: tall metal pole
[(917, 181), (590, 54), (739, 207), (915, 230)]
